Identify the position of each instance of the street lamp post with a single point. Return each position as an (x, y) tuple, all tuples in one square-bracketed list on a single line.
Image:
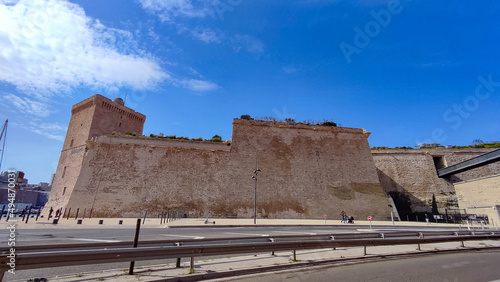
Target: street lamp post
[(256, 173)]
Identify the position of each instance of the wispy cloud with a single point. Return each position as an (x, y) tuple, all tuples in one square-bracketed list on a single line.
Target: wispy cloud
[(50, 130), (26, 105), (207, 35), (289, 70), (52, 46), (198, 85), (168, 10), (248, 43)]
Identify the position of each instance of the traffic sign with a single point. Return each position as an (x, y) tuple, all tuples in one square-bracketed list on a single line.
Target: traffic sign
[(369, 218)]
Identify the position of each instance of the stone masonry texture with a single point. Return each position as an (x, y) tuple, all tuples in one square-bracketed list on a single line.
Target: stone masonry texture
[(306, 170)]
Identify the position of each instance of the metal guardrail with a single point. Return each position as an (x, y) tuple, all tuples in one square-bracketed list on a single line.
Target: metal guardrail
[(172, 242), (55, 257)]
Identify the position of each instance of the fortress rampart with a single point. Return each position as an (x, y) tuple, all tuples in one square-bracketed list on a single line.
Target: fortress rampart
[(413, 173), (306, 170)]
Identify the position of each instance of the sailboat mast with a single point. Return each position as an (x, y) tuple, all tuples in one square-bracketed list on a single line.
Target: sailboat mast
[(3, 138)]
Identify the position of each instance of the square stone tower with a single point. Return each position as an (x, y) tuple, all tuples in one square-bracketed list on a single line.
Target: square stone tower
[(92, 117)]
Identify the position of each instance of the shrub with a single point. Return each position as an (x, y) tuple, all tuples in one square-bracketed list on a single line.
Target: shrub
[(328, 123), (248, 117), (216, 138)]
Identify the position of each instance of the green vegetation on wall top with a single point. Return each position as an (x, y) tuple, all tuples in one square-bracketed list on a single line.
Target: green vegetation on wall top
[(215, 138), (292, 121)]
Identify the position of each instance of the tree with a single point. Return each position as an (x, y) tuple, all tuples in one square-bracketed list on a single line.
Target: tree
[(216, 138), (434, 205)]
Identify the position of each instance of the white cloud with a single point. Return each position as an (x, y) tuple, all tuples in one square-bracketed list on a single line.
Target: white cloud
[(169, 9), (26, 105), (289, 70), (207, 35), (50, 46), (248, 43), (50, 130), (198, 85)]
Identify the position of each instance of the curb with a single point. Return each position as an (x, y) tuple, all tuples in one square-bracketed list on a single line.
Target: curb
[(262, 225), (303, 225)]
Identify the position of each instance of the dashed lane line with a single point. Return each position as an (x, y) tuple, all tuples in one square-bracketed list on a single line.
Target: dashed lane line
[(251, 234), (185, 236), (93, 240), (296, 232)]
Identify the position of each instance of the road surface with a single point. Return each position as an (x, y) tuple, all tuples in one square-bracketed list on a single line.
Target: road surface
[(455, 267)]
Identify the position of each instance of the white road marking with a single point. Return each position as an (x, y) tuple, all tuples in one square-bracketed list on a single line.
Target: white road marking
[(295, 232), (194, 237), (94, 240), (263, 235)]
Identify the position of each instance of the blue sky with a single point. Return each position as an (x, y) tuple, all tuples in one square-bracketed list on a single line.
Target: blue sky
[(408, 71)]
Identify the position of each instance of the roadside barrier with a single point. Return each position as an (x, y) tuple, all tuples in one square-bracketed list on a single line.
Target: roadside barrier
[(33, 257)]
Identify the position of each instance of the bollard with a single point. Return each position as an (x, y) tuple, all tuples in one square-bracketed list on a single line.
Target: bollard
[(77, 211), (294, 255), (90, 215), (145, 214), (69, 212), (1, 215), (136, 240), (364, 250), (38, 214), (191, 268), (84, 211), (29, 213), (178, 263)]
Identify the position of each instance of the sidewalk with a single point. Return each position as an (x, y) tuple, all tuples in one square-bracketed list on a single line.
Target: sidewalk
[(200, 222)]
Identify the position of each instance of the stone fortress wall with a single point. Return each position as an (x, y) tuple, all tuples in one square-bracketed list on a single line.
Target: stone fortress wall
[(414, 173), (306, 170)]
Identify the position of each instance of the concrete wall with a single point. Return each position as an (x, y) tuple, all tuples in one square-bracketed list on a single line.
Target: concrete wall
[(481, 196), (306, 171)]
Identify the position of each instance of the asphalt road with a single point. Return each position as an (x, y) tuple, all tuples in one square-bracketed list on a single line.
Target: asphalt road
[(69, 235), (61, 235), (125, 233), (455, 267)]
